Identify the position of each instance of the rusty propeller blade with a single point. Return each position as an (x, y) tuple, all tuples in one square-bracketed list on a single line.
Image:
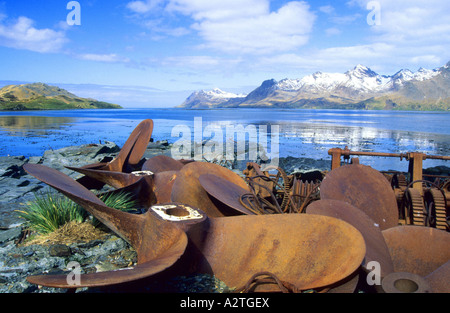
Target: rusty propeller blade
[(308, 251), (130, 154), (101, 279), (187, 188), (364, 188), (86, 199), (133, 149), (417, 249), (114, 179), (225, 191), (159, 244), (162, 163), (376, 248)]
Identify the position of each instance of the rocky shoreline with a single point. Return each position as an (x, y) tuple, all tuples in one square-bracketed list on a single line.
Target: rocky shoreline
[(17, 261)]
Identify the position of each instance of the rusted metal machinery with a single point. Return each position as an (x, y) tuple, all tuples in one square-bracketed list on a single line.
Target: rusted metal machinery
[(302, 251), (264, 231), (278, 192), (422, 199), (418, 254)]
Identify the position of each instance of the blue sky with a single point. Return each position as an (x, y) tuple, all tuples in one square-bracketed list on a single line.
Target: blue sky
[(154, 53)]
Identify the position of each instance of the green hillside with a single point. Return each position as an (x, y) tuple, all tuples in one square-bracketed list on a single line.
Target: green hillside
[(40, 96)]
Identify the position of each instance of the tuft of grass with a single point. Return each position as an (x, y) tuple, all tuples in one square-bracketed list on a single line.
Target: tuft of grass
[(50, 211), (121, 200)]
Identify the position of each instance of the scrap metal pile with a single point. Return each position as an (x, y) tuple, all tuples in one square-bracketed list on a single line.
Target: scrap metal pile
[(263, 231)]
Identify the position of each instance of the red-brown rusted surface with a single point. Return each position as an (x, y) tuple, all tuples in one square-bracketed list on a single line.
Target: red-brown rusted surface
[(129, 156), (417, 249), (303, 250), (364, 188), (133, 149), (439, 279), (158, 244), (162, 186), (376, 248), (111, 178), (162, 163), (187, 188), (225, 191)]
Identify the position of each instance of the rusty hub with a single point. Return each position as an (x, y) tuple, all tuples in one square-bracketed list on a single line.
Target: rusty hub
[(404, 282)]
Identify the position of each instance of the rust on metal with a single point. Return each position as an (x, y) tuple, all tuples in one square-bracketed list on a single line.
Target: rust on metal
[(405, 282), (423, 198), (129, 156), (376, 248), (439, 279), (111, 178), (337, 153), (364, 188), (268, 231), (187, 188), (417, 249), (225, 191), (304, 250), (162, 163)]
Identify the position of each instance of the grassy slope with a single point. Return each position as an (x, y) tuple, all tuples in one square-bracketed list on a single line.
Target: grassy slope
[(43, 97)]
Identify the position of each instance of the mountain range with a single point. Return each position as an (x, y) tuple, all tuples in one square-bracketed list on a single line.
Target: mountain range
[(39, 96), (359, 88)]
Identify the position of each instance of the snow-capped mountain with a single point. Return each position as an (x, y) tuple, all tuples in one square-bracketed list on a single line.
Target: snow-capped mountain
[(359, 87), (212, 97), (359, 81)]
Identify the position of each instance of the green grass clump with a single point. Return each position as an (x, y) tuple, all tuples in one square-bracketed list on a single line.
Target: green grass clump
[(50, 211)]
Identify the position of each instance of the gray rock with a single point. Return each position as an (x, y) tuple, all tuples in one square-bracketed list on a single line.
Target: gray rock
[(77, 156), (60, 250), (11, 166), (10, 234), (18, 262)]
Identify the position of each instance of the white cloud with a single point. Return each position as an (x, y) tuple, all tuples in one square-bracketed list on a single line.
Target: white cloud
[(327, 9), (412, 34), (142, 7), (419, 30), (248, 26), (334, 59), (107, 58), (219, 9), (23, 35)]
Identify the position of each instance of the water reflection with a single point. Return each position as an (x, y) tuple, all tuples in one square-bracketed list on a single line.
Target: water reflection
[(301, 134), (24, 124)]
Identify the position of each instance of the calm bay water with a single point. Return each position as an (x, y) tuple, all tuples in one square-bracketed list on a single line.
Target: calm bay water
[(302, 133)]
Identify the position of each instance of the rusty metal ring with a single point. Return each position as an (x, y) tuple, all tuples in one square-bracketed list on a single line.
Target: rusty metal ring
[(404, 282)]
